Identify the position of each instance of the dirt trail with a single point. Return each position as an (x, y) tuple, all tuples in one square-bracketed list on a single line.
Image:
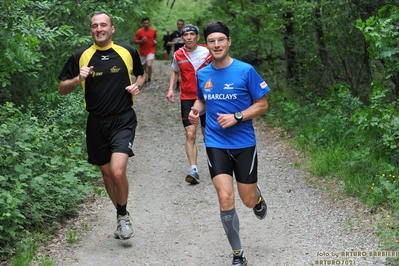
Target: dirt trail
[(179, 224)]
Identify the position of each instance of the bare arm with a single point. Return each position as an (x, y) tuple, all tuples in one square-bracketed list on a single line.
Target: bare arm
[(197, 110), (137, 41), (172, 83), (69, 85), (135, 88), (259, 107)]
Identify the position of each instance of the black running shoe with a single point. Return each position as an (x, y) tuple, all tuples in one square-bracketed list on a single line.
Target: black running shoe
[(260, 208), (239, 259)]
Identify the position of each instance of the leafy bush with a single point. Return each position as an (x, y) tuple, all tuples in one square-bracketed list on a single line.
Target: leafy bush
[(44, 173)]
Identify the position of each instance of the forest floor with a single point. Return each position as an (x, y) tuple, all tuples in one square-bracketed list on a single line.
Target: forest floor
[(309, 222)]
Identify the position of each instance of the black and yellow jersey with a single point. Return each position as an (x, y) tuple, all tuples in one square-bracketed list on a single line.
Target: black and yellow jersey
[(114, 68)]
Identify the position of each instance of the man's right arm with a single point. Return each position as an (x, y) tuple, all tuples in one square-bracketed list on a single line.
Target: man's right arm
[(69, 85)]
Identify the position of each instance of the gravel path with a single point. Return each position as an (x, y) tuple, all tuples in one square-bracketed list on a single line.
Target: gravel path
[(179, 224)]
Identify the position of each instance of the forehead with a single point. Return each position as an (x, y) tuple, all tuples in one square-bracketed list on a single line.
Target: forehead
[(180, 23), (100, 19), (189, 33), (216, 35)]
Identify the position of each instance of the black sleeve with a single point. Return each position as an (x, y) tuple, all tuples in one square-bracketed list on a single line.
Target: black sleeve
[(70, 69)]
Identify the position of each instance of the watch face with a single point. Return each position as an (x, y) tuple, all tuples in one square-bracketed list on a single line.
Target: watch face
[(238, 115)]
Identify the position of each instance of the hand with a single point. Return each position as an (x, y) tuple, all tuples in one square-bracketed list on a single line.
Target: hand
[(194, 116), (85, 72), (144, 39), (133, 89), (170, 96), (226, 120)]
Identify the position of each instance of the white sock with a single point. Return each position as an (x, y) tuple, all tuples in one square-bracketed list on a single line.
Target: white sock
[(194, 167)]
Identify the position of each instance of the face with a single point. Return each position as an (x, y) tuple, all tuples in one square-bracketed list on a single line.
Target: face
[(146, 24), (218, 45), (180, 25), (101, 30), (190, 39)]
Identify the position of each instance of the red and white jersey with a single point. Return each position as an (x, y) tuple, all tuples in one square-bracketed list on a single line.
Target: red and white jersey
[(188, 63)]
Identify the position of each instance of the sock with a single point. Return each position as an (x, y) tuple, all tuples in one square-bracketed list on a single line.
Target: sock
[(194, 167), (231, 227), (121, 210)]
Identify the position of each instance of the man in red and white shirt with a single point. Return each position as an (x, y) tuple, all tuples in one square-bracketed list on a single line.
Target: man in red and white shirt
[(186, 62)]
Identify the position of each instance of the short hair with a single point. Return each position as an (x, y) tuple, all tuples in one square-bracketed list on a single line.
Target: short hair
[(144, 19), (102, 13), (180, 20)]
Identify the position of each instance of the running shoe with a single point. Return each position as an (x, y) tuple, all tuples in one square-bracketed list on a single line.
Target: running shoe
[(239, 259), (260, 208), (192, 177), (124, 229), (148, 83)]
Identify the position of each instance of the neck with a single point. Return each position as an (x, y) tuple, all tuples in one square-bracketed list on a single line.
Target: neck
[(223, 62), (192, 49)]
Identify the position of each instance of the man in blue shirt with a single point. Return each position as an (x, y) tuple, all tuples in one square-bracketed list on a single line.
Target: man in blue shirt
[(231, 93)]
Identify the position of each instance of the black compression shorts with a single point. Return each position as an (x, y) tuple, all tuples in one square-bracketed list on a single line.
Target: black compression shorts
[(185, 107), (242, 162), (105, 136)]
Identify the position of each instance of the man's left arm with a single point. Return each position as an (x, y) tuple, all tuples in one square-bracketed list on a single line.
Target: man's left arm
[(259, 107)]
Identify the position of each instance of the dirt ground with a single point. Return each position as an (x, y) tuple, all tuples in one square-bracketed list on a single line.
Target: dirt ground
[(176, 223)]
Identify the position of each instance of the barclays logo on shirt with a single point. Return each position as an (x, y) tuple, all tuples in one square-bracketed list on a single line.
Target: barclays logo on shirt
[(220, 96)]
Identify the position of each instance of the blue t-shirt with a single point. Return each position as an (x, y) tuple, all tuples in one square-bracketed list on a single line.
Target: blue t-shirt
[(226, 91)]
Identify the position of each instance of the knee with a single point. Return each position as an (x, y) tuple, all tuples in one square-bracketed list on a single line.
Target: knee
[(250, 201), (118, 174), (226, 201), (190, 135)]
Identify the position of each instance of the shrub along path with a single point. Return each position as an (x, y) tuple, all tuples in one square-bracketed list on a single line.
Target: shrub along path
[(179, 224)]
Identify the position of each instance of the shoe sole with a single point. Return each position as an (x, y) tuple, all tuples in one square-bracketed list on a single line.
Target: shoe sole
[(192, 180), (126, 238)]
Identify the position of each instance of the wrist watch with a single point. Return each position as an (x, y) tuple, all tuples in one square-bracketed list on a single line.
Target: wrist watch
[(238, 116)]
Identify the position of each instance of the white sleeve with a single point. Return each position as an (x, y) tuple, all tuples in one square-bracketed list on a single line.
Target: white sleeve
[(174, 65)]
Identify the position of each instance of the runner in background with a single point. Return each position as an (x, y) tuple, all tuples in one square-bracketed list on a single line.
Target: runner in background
[(186, 62), (146, 38), (166, 47), (177, 42)]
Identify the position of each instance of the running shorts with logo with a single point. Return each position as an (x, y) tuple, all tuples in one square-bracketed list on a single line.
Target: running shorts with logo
[(105, 136), (242, 162)]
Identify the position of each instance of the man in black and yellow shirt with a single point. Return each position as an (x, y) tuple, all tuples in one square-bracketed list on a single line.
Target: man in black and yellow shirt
[(106, 69)]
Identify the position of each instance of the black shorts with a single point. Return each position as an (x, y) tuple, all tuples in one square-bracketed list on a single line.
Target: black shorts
[(105, 136), (167, 49), (185, 106), (242, 162)]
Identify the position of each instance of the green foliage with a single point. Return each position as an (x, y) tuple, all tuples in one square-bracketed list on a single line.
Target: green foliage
[(44, 174), (379, 124), (382, 34), (25, 253)]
